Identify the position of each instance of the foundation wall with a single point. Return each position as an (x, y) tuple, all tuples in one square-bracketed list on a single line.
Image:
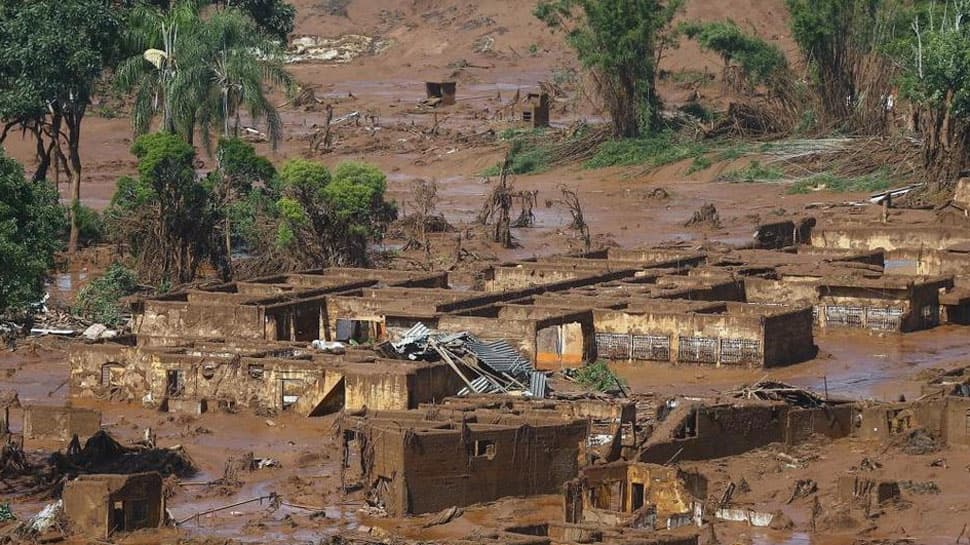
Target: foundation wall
[(788, 338), (889, 238)]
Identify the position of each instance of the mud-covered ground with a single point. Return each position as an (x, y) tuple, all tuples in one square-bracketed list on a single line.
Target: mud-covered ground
[(494, 49)]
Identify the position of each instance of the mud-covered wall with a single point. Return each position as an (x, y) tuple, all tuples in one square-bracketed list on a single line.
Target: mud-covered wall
[(889, 238), (398, 389), (788, 292), (788, 337), (520, 333), (721, 431), (717, 339), (51, 423), (444, 469), (211, 321), (89, 502), (956, 429)]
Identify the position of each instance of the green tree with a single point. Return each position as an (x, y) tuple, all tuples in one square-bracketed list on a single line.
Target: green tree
[(164, 216), (199, 73), (100, 299), (242, 187), (330, 219), (31, 229), (757, 61), (936, 79), (53, 54), (620, 42)]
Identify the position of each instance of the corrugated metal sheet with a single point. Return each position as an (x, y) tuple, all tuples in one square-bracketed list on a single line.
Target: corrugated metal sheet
[(500, 356), (537, 384)]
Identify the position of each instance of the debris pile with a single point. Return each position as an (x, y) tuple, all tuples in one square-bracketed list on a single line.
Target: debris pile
[(485, 367), (102, 454)]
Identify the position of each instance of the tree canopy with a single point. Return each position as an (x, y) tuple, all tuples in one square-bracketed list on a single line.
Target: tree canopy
[(620, 43), (31, 227), (198, 72), (53, 54), (164, 215), (757, 59)]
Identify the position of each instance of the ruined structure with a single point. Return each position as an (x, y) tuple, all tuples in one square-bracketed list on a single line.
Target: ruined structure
[(100, 506), (427, 460), (48, 423), (635, 495), (534, 110), (443, 93)]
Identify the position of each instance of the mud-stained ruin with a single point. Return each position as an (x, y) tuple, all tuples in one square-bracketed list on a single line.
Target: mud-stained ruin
[(427, 460), (101, 506)]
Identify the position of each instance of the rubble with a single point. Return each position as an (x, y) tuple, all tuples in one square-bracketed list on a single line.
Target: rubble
[(484, 367)]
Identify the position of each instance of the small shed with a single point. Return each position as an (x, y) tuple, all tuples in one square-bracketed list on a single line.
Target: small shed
[(535, 110), (444, 91), (99, 506)]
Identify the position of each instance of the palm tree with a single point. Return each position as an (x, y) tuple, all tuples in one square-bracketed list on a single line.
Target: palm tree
[(199, 73)]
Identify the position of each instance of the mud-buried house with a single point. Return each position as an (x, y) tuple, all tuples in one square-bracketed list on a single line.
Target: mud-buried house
[(431, 459)]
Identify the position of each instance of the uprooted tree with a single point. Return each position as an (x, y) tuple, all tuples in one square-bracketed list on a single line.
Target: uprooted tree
[(620, 43)]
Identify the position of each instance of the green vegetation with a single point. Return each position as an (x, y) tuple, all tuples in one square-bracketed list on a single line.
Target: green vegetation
[(90, 224), (619, 41), (757, 59), (527, 157), (164, 215), (754, 172), (31, 227), (52, 56), (327, 219), (225, 66), (661, 149), (598, 376), (838, 184), (701, 162), (99, 300)]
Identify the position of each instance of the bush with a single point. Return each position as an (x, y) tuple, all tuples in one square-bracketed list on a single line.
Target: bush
[(838, 184), (699, 163), (598, 376), (90, 224), (754, 172), (657, 150), (528, 157), (99, 300)]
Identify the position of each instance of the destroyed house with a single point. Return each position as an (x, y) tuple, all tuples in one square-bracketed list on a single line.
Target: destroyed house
[(286, 307), (277, 378), (552, 338), (888, 237), (535, 110), (635, 495), (100, 506), (885, 303), (442, 93), (723, 334), (427, 460), (702, 430)]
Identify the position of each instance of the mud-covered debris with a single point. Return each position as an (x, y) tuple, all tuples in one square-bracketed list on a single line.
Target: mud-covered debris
[(868, 464), (803, 488), (444, 517), (920, 487), (102, 454), (921, 441), (706, 215)]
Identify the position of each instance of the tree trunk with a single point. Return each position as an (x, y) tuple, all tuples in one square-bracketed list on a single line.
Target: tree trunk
[(74, 157)]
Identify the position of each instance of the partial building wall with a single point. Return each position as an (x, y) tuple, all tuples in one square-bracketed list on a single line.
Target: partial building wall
[(53, 423)]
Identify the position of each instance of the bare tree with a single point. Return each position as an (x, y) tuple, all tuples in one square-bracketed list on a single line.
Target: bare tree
[(571, 201)]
